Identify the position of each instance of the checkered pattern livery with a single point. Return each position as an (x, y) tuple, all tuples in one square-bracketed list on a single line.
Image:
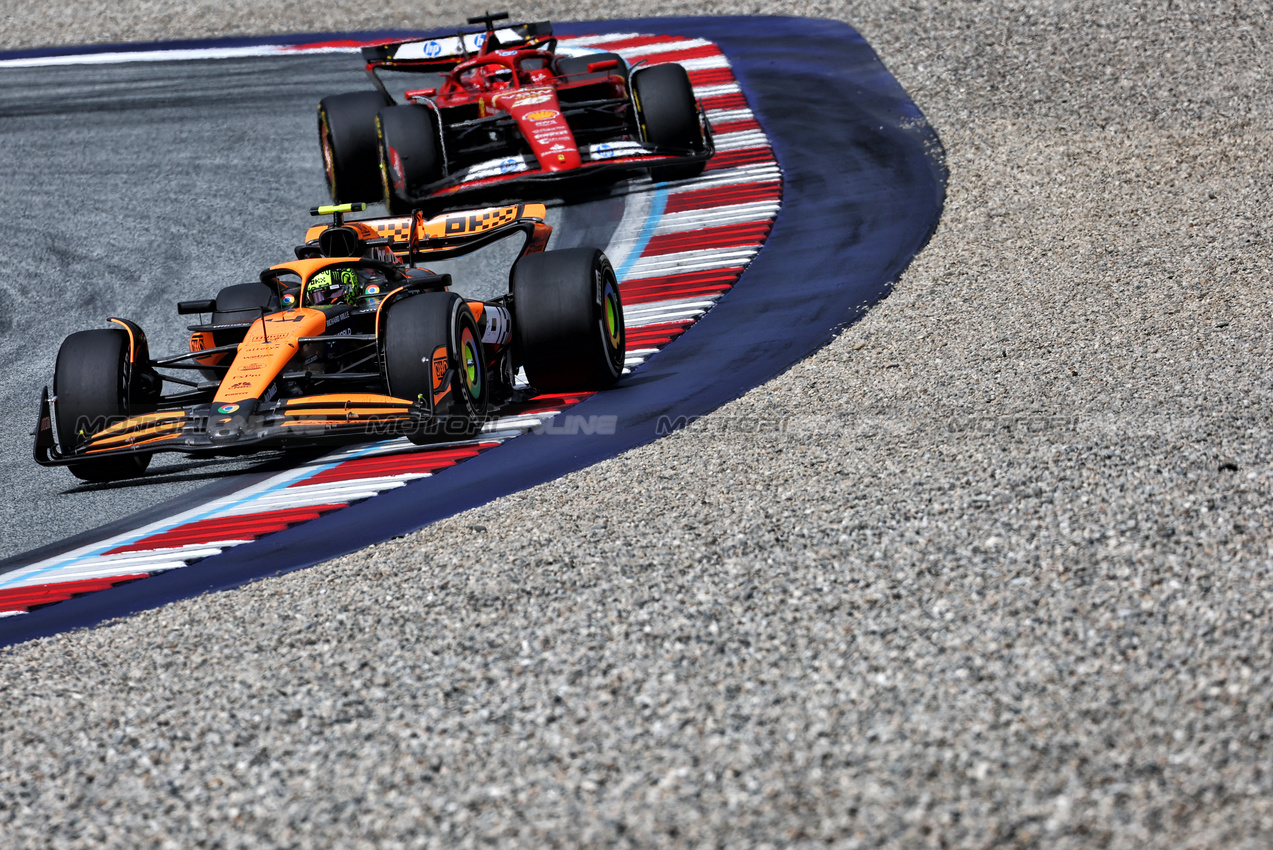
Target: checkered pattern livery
[(674, 261), (480, 222), (396, 229)]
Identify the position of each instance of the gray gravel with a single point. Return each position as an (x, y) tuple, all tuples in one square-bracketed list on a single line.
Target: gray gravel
[(992, 569)]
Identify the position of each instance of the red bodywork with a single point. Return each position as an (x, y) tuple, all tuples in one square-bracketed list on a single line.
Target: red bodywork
[(521, 84), (507, 86)]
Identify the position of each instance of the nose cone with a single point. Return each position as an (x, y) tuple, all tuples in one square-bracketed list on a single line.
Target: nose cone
[(538, 115), (229, 422)]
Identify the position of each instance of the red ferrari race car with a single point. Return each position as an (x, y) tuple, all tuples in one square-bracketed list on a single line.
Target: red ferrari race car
[(507, 108), (349, 342)]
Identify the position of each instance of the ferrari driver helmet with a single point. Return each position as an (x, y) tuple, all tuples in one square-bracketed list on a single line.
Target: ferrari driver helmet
[(333, 286)]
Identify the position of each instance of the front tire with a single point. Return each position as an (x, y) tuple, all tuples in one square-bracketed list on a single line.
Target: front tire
[(93, 391), (347, 134), (568, 330), (668, 115), (431, 326), (410, 155)]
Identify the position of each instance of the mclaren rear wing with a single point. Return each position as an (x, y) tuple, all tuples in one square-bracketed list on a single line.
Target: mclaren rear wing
[(414, 237)]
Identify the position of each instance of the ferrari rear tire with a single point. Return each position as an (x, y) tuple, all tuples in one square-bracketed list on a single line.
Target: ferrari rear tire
[(91, 385), (435, 325), (668, 115), (568, 330), (410, 155), (347, 134)]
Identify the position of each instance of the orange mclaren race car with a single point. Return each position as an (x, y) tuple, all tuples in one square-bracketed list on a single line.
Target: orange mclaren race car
[(350, 341), (506, 108)]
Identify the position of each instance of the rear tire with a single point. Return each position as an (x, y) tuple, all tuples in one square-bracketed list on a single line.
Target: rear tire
[(347, 134), (91, 383), (410, 155), (415, 328), (568, 330), (668, 115)]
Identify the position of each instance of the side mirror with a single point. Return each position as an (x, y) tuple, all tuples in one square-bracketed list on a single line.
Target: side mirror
[(188, 308), (603, 65), (414, 93)]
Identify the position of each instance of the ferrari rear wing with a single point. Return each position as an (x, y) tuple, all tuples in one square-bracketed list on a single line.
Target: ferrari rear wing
[(442, 53)]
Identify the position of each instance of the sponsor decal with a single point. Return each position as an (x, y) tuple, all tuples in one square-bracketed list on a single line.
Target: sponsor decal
[(505, 52), (603, 151), (227, 408), (439, 366), (432, 49), (543, 115), (499, 325), (241, 385), (544, 137), (508, 165), (529, 98), (289, 301), (478, 222)]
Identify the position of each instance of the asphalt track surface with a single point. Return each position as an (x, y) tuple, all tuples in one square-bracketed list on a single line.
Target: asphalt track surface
[(863, 193), (129, 188)]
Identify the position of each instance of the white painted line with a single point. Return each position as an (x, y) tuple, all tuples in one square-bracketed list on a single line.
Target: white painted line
[(760, 212), (665, 47), (722, 116), (741, 141), (690, 261), (716, 91)]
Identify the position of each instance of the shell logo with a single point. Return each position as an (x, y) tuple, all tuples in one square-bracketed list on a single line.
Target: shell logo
[(542, 115)]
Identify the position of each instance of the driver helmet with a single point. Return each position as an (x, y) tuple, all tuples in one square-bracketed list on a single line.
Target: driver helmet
[(333, 286), (499, 77)]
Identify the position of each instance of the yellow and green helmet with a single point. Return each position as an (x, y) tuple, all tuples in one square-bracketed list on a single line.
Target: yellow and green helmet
[(333, 286)]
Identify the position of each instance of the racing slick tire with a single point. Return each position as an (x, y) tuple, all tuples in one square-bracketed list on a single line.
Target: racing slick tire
[(347, 134), (568, 330), (668, 115), (92, 388), (415, 328), (577, 66), (410, 154)]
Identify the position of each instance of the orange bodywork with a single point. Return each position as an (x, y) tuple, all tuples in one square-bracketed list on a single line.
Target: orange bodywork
[(335, 409), (269, 346), (201, 340), (139, 430)]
